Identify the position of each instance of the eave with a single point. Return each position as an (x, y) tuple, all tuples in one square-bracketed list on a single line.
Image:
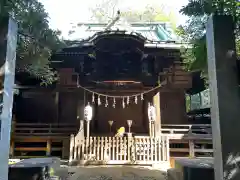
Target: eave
[(168, 45)]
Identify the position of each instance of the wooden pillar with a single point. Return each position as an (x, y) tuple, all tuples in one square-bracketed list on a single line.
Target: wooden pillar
[(49, 147), (88, 129), (8, 43), (157, 124), (80, 111), (224, 94), (153, 129), (57, 106), (65, 148), (191, 148), (150, 129), (12, 147)]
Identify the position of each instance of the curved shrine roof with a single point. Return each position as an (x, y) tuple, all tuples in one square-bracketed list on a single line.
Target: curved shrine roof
[(157, 34), (152, 31)]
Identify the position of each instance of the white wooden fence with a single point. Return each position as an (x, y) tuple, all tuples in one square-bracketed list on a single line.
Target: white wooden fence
[(117, 150)]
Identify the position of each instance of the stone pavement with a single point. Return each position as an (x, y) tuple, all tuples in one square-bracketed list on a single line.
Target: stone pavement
[(116, 173)]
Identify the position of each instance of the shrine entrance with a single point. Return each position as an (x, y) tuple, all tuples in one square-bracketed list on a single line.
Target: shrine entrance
[(137, 112)]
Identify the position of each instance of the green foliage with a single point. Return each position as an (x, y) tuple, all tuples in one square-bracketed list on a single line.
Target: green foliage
[(194, 30), (107, 10), (36, 40), (150, 14)]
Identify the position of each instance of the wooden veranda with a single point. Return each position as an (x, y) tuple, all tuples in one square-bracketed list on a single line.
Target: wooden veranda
[(54, 140)]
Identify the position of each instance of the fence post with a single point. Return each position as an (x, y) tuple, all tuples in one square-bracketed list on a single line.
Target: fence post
[(168, 148), (131, 148), (191, 149)]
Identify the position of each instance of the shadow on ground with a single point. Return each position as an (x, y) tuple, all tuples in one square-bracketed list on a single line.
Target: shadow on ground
[(117, 173)]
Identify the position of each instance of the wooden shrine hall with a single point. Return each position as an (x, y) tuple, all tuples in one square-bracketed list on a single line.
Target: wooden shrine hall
[(120, 74)]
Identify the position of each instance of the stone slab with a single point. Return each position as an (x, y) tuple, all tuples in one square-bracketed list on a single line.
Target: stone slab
[(28, 169), (26, 173), (223, 75), (194, 162), (33, 162), (192, 169)]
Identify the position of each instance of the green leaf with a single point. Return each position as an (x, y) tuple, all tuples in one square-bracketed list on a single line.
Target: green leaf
[(36, 40), (194, 31)]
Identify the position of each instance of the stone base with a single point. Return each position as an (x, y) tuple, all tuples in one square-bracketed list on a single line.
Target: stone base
[(174, 174), (163, 166), (73, 163)]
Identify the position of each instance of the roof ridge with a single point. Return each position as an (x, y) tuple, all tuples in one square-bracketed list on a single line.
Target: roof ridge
[(132, 23)]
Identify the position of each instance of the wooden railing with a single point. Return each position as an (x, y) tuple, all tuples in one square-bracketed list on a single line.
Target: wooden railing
[(38, 139), (56, 129), (191, 148), (189, 140), (117, 150), (186, 129), (185, 140), (39, 147), (35, 129)]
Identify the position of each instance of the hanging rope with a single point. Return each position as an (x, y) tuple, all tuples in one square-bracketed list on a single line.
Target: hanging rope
[(125, 96)]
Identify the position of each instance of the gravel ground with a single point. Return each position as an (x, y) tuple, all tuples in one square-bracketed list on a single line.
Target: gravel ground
[(116, 173)]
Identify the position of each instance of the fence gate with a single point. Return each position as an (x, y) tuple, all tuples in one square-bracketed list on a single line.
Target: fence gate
[(117, 150)]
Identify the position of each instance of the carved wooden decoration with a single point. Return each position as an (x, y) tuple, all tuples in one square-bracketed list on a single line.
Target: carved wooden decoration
[(68, 77), (181, 78), (176, 76)]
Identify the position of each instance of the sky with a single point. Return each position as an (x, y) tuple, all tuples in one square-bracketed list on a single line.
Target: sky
[(65, 13)]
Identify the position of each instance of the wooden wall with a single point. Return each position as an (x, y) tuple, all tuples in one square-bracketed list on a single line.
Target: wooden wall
[(34, 107), (173, 107), (42, 107), (67, 111)]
